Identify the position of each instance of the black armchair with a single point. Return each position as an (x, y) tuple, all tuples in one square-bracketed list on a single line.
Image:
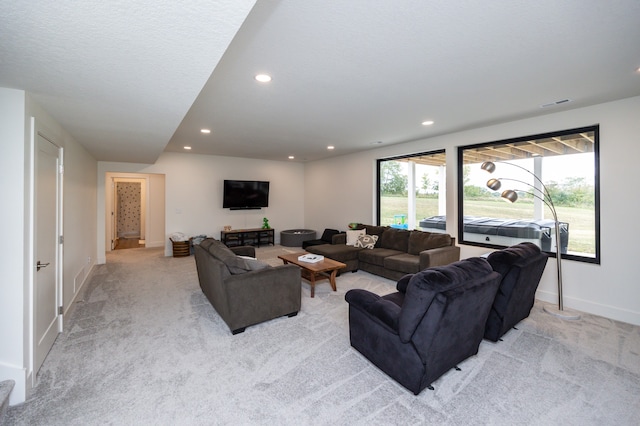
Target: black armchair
[(521, 267), (326, 238), (434, 321)]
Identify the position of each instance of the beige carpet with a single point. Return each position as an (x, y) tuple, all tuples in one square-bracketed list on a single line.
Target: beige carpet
[(144, 347)]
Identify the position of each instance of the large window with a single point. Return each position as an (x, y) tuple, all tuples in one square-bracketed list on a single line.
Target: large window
[(411, 189), (562, 164)]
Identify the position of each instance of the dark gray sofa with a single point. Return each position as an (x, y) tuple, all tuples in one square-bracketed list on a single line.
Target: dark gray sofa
[(434, 321), (243, 291), (397, 252)]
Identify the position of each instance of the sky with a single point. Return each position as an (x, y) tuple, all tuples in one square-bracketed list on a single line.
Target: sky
[(557, 169)]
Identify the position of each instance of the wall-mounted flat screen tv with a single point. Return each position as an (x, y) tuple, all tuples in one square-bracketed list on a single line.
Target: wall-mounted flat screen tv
[(245, 194)]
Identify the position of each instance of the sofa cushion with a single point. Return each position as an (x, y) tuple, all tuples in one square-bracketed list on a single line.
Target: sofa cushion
[(375, 230), (420, 241), (407, 263), (352, 236), (338, 252), (376, 256), (366, 241), (395, 239), (236, 264)]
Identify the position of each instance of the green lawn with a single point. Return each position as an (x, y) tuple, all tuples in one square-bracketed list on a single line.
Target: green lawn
[(581, 220)]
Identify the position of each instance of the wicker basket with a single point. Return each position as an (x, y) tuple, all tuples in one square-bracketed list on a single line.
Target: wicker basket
[(181, 248)]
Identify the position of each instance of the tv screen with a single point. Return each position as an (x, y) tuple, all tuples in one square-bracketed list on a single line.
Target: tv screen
[(245, 194)]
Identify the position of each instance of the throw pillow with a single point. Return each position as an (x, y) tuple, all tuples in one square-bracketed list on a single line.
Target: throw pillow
[(352, 236), (254, 264), (366, 241)]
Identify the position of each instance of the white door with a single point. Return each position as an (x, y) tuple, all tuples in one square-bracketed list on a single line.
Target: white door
[(46, 295), (114, 214)]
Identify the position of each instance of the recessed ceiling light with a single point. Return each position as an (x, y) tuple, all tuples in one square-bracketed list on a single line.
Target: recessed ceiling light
[(427, 123), (291, 157), (330, 147), (205, 131), (187, 148), (263, 78)]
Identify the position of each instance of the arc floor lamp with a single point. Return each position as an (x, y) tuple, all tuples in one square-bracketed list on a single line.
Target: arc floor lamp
[(543, 195)]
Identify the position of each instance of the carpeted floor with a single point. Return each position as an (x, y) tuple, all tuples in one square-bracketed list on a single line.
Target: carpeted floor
[(143, 346)]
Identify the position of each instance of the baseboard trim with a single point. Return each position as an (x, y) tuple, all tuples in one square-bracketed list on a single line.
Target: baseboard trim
[(154, 244), (607, 311)]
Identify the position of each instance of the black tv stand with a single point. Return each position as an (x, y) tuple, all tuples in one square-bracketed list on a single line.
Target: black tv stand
[(243, 237)]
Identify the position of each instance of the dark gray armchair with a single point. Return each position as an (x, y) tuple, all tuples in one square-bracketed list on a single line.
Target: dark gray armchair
[(243, 291), (433, 322), (521, 267)]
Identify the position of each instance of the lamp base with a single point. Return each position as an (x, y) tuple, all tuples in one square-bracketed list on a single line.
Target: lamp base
[(564, 314)]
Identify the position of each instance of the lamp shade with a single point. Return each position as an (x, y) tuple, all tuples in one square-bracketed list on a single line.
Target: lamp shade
[(510, 195), (494, 184), (488, 166)]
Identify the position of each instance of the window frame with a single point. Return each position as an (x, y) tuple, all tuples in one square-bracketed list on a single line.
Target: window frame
[(379, 161), (596, 259)]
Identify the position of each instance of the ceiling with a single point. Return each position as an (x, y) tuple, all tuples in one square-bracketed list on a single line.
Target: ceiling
[(129, 80)]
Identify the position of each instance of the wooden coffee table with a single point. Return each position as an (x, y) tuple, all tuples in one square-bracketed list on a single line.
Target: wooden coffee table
[(325, 269)]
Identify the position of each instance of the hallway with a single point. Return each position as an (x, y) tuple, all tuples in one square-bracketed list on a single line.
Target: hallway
[(128, 243)]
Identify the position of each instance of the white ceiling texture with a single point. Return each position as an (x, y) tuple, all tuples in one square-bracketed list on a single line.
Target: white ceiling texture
[(131, 79)]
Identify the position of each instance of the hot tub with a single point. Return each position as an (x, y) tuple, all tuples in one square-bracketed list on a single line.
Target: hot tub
[(506, 232)]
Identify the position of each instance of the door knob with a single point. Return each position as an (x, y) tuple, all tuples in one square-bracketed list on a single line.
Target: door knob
[(41, 265)]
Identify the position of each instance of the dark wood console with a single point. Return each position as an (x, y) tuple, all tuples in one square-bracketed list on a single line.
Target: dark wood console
[(244, 237)]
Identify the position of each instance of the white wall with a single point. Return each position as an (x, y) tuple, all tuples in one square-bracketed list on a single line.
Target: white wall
[(193, 199), (80, 200), (16, 259), (609, 289), (13, 308)]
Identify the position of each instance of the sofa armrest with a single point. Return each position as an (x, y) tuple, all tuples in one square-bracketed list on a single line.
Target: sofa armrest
[(385, 311), (340, 238), (439, 256), (256, 296), (244, 251)]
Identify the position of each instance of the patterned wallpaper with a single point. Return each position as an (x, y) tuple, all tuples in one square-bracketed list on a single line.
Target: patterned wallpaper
[(129, 200)]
